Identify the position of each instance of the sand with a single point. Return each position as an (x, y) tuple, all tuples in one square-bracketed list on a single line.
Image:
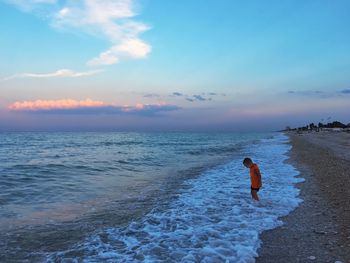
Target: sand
[(319, 229)]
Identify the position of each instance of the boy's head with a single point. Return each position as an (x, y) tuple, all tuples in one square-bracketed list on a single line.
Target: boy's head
[(247, 162)]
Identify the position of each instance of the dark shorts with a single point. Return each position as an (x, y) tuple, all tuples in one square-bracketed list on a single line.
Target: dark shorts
[(255, 189)]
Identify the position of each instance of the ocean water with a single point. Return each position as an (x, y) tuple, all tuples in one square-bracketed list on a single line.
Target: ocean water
[(140, 197)]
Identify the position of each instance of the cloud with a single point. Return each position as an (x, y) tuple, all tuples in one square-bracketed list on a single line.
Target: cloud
[(199, 97), (345, 91), (321, 94), (204, 96), (88, 106), (54, 104), (305, 92), (149, 109), (132, 48), (311, 93), (29, 5), (151, 95), (111, 19), (61, 73)]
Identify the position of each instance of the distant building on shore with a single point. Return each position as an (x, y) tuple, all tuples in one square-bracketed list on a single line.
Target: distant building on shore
[(331, 126)]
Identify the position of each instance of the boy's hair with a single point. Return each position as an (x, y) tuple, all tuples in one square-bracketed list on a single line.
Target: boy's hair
[(247, 160)]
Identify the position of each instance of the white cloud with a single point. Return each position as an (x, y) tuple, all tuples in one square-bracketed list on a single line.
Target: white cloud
[(108, 57), (110, 19), (63, 12), (63, 73), (131, 48)]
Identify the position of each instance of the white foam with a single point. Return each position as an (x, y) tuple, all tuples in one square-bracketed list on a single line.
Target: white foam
[(213, 220)]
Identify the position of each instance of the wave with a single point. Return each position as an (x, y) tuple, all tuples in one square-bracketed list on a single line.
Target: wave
[(212, 219)]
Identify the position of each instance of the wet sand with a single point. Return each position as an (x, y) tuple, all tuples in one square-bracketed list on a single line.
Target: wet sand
[(319, 229)]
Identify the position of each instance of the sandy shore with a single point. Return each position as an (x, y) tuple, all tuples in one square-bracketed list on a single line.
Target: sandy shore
[(319, 229)]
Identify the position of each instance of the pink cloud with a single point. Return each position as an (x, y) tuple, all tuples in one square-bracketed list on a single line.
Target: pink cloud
[(88, 106), (54, 104)]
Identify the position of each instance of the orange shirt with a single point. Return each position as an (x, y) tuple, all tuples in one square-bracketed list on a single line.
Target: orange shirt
[(255, 176)]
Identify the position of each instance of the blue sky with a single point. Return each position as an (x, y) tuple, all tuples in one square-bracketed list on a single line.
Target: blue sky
[(232, 64)]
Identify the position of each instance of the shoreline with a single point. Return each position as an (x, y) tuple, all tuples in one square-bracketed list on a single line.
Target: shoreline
[(318, 229)]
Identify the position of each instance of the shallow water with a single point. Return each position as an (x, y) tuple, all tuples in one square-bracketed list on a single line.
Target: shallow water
[(128, 197)]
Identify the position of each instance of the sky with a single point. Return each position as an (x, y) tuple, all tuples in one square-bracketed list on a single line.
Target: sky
[(185, 65)]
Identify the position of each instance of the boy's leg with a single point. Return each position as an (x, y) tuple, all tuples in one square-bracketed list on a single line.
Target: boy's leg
[(254, 195)]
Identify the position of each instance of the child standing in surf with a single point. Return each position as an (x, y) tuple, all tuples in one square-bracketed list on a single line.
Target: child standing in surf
[(255, 177)]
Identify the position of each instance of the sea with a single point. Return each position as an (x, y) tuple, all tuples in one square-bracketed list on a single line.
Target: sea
[(140, 197)]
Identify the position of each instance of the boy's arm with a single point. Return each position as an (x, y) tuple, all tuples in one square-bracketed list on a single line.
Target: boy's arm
[(258, 174)]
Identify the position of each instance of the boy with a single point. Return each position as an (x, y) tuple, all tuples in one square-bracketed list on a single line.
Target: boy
[(255, 177)]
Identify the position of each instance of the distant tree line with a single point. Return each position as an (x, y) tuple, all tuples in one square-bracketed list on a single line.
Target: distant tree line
[(313, 126)]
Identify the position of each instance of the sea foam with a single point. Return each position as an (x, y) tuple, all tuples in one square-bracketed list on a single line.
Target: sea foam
[(212, 219)]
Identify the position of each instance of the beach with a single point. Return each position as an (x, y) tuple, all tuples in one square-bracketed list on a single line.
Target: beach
[(318, 230), (139, 200)]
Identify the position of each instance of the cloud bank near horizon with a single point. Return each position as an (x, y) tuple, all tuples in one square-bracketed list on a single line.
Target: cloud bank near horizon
[(88, 106)]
